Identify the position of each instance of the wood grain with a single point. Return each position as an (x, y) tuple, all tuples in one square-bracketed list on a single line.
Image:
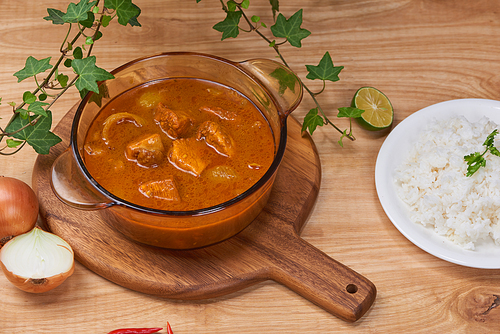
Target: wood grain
[(418, 52)]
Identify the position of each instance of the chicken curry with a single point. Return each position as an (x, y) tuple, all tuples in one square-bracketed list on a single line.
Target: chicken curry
[(179, 144)]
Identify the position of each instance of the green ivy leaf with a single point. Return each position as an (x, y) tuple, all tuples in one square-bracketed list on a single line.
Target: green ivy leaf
[(97, 36), (55, 16), (89, 74), (290, 29), (89, 21), (275, 6), (325, 70), (312, 121), (33, 67), (38, 136), (78, 12), (229, 27), (106, 19), (352, 112), (37, 108), (133, 20), (245, 4), (97, 98), (28, 97), (11, 143), (231, 6), (126, 11), (63, 80), (285, 79), (78, 53)]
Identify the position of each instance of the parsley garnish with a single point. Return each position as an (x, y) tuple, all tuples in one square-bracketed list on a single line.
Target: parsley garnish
[(476, 160)]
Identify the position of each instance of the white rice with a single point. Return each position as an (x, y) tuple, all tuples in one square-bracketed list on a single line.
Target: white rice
[(433, 182)]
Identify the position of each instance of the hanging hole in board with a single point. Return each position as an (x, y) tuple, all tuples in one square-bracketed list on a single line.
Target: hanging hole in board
[(351, 288)]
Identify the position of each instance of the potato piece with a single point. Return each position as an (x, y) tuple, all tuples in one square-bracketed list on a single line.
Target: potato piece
[(148, 151), (221, 113), (217, 138), (117, 119), (185, 154), (150, 99), (164, 189), (173, 123)]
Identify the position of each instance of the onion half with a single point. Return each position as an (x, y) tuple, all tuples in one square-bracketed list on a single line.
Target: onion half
[(37, 261)]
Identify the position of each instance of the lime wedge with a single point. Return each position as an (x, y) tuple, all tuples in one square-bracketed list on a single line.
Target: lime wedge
[(378, 113)]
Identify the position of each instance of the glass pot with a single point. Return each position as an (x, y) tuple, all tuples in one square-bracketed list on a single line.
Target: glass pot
[(274, 89)]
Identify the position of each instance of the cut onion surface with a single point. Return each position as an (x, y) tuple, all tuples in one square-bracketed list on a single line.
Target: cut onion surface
[(37, 261)]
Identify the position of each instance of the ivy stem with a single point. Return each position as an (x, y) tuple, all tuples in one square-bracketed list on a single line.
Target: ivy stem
[(327, 121), (13, 152), (313, 95), (48, 79), (62, 49), (36, 119)]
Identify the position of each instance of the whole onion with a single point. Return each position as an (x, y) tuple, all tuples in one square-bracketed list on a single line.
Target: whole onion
[(18, 208)]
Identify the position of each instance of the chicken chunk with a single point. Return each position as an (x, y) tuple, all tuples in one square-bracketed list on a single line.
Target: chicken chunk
[(186, 155), (216, 137), (173, 123), (164, 189), (148, 151), (224, 114)]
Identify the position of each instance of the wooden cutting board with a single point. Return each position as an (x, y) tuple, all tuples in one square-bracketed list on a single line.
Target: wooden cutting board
[(270, 248)]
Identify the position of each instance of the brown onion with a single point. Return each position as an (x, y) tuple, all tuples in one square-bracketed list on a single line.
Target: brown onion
[(37, 261), (18, 208)]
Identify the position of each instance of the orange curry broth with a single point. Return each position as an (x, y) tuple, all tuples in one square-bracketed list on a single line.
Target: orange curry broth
[(253, 144)]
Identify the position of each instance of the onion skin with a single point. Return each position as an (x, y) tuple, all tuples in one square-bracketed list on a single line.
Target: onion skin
[(18, 208), (36, 285)]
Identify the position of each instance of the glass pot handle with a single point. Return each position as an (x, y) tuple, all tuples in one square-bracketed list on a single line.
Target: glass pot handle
[(283, 84), (71, 187)]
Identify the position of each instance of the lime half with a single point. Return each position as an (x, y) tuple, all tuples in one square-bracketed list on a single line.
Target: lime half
[(378, 113)]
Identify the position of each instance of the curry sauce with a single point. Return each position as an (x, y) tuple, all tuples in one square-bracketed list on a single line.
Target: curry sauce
[(179, 144)]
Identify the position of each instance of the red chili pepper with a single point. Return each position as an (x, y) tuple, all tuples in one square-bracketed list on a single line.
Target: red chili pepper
[(169, 329), (135, 330)]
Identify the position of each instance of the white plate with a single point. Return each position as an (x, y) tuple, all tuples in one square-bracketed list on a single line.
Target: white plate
[(392, 154)]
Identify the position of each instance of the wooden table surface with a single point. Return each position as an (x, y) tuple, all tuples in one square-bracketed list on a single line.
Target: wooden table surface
[(418, 52)]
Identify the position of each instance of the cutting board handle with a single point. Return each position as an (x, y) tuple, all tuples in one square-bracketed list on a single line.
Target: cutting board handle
[(317, 277)]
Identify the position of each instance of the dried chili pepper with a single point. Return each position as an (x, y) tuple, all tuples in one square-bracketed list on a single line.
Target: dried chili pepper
[(169, 329), (136, 330)]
